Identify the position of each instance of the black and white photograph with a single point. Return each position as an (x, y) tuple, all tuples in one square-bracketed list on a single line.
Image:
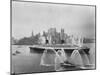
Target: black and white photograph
[(52, 37)]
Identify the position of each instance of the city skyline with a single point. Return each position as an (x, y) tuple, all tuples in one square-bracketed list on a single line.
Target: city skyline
[(47, 32), (36, 17)]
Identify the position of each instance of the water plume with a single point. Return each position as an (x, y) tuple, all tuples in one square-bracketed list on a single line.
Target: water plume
[(84, 58), (76, 58), (48, 57), (61, 57)]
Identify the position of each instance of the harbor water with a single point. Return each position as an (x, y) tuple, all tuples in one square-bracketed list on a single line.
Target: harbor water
[(29, 62)]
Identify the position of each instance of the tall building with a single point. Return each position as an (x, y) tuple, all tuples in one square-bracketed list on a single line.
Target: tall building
[(52, 35), (63, 36), (32, 34), (52, 31)]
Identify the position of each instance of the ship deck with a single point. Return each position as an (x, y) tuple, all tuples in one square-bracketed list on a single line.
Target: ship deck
[(58, 46)]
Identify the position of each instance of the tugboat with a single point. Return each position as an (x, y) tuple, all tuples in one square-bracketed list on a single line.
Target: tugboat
[(16, 52)]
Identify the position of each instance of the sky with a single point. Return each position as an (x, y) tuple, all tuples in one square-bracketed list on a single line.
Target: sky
[(39, 17)]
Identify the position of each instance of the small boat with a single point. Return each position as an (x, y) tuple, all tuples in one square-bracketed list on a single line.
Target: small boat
[(14, 54), (17, 52)]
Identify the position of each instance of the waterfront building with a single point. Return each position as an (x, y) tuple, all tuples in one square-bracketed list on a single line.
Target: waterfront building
[(13, 41), (63, 36), (42, 40), (52, 35), (32, 34)]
